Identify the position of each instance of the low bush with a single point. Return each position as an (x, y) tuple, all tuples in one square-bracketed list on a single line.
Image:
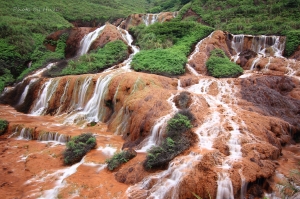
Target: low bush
[(178, 139), (77, 147), (112, 53), (3, 126), (218, 65), (292, 42), (160, 61), (119, 158)]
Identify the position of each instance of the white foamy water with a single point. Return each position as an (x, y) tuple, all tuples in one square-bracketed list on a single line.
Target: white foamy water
[(157, 130), (88, 39), (164, 184)]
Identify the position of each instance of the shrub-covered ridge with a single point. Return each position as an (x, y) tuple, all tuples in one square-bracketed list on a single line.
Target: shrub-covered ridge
[(218, 65)]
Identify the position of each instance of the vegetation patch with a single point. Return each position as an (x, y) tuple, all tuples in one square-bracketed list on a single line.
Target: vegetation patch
[(120, 158), (292, 42), (112, 53), (42, 56), (165, 46), (3, 126), (219, 65), (178, 139), (77, 147)]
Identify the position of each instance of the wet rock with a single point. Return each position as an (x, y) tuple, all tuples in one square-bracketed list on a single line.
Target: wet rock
[(245, 56)]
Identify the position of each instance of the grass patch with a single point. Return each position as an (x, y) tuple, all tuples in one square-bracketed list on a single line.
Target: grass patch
[(112, 53), (165, 46), (77, 147), (120, 158), (219, 65), (177, 140), (3, 126)]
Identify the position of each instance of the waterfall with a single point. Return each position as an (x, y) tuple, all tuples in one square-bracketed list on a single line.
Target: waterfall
[(237, 44), (259, 44), (254, 62), (25, 92), (88, 39), (26, 133), (63, 97), (197, 50), (150, 19), (165, 183), (157, 130), (41, 104), (225, 189), (53, 136)]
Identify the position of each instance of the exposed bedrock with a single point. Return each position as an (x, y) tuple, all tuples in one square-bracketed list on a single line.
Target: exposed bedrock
[(277, 96)]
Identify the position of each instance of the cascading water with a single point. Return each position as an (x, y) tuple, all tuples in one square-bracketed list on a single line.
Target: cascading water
[(237, 44), (26, 133), (157, 130), (25, 92), (53, 136), (225, 189), (45, 95), (88, 39), (94, 109), (197, 49)]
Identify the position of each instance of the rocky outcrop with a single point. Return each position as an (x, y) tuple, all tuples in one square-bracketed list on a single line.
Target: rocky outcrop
[(109, 33), (216, 40), (73, 42)]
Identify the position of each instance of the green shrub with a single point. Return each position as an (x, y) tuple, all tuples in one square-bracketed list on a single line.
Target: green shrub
[(292, 42), (176, 142), (77, 147), (3, 126), (112, 53), (219, 65), (119, 158), (160, 61)]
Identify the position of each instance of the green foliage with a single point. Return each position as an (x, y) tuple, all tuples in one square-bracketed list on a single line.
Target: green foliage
[(5, 78), (249, 17), (165, 5), (3, 126), (77, 147), (159, 61), (176, 142), (119, 158), (219, 65), (165, 46), (22, 20), (41, 56), (111, 54), (292, 41), (179, 123)]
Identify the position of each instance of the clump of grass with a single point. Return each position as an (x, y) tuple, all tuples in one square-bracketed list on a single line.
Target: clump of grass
[(120, 158), (219, 65), (112, 53), (77, 147), (3, 126)]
